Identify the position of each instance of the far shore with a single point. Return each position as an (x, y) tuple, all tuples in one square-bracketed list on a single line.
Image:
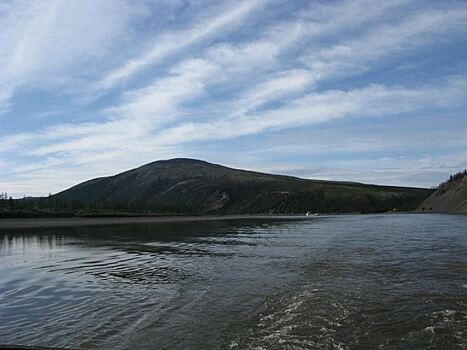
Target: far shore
[(18, 223)]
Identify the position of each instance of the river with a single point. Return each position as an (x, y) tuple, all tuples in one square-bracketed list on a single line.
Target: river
[(392, 281)]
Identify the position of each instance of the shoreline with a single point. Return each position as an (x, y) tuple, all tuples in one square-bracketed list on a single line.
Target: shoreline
[(23, 223), (28, 223)]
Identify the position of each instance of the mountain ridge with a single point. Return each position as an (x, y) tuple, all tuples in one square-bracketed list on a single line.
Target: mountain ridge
[(195, 186)]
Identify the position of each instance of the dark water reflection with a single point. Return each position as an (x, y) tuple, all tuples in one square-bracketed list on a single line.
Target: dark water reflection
[(348, 282)]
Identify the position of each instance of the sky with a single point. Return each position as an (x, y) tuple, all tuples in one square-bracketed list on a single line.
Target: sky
[(355, 90)]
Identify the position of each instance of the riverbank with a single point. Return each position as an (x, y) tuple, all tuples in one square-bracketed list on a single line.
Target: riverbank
[(65, 222)]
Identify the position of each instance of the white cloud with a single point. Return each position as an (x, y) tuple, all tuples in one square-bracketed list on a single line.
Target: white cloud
[(407, 170), (219, 80), (141, 111), (417, 171), (357, 55), (254, 54), (5, 96), (52, 42), (319, 107), (172, 42), (162, 98)]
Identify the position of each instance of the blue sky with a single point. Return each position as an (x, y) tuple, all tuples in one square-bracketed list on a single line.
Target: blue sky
[(361, 90)]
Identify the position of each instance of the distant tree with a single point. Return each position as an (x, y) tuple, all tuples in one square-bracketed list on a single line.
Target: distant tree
[(444, 186)]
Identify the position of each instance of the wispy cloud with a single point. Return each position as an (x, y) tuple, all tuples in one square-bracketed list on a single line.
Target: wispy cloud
[(321, 107), (355, 56), (55, 42), (166, 44), (227, 73)]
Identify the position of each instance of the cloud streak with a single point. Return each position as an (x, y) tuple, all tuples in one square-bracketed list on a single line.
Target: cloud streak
[(49, 43), (173, 42), (321, 107), (231, 73)]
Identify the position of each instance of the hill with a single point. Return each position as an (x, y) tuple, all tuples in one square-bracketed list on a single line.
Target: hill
[(198, 187), (449, 197)]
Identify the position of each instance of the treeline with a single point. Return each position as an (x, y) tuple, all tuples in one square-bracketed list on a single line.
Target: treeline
[(55, 206), (444, 186), (4, 196), (5, 199), (49, 202), (35, 207)]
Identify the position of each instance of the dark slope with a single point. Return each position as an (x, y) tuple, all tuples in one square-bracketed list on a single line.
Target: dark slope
[(194, 186), (449, 197)]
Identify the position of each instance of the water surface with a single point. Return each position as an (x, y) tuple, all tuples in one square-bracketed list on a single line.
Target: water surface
[(337, 282)]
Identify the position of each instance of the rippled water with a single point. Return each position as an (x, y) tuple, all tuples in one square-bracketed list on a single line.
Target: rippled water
[(337, 282)]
